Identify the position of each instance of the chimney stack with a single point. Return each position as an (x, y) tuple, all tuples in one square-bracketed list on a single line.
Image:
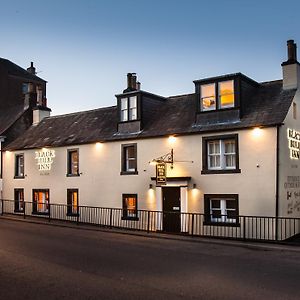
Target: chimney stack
[(132, 84), (291, 68), (31, 69)]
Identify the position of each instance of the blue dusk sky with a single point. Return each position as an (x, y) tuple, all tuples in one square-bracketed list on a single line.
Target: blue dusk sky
[(84, 49)]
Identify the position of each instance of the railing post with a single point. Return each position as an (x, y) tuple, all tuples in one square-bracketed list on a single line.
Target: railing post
[(192, 224), (2, 207), (244, 228), (49, 215), (24, 210), (148, 221), (78, 212), (110, 218)]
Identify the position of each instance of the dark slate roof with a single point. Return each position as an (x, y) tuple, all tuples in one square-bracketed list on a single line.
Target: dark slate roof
[(16, 70), (9, 115), (267, 107)]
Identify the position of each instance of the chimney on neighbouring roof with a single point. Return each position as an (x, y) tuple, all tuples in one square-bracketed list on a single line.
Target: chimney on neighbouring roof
[(291, 68), (31, 69), (132, 84), (138, 85)]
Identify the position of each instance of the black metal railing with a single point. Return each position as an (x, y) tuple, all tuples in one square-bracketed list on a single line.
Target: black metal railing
[(262, 228)]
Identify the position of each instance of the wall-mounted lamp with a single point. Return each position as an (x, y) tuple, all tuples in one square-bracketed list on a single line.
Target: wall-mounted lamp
[(172, 139), (257, 131), (150, 186), (194, 185)]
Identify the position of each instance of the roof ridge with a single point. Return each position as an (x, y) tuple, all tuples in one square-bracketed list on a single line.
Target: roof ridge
[(178, 96), (83, 112)]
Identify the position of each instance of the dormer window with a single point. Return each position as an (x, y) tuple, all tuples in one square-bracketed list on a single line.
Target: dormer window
[(217, 95), (226, 94), (128, 109)]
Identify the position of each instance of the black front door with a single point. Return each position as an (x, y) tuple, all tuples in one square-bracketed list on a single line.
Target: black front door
[(171, 209)]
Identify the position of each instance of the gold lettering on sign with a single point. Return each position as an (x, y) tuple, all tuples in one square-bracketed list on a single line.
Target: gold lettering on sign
[(294, 143), (44, 159)]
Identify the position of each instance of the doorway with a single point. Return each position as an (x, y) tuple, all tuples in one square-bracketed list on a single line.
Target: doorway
[(171, 209)]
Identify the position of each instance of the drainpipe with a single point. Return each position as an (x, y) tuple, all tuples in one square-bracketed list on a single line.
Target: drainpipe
[(277, 183)]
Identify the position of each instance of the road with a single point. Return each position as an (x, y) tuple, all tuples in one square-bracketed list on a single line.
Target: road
[(40, 261)]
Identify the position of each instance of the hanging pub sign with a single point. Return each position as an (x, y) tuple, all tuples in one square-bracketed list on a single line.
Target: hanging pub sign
[(294, 143), (161, 176)]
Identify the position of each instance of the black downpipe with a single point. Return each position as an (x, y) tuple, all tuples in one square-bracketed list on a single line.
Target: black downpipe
[(277, 183)]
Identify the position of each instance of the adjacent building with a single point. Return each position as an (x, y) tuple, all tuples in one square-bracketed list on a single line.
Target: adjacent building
[(21, 92), (228, 149)]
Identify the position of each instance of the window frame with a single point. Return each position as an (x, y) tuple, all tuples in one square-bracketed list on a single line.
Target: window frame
[(125, 215), (217, 95), (18, 201), (124, 159), (70, 205), (17, 166), (35, 204), (208, 209), (69, 162), (129, 108), (205, 155)]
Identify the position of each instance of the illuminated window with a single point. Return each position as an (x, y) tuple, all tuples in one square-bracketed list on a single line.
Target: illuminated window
[(220, 154), (130, 206), (72, 202), (19, 166), (220, 98), (40, 203), (226, 94), (19, 200), (221, 208), (129, 159), (73, 162), (208, 97), (128, 109)]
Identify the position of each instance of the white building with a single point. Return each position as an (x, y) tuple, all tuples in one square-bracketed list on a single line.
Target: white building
[(231, 147)]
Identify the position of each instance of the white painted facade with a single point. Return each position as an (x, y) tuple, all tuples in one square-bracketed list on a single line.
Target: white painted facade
[(100, 182)]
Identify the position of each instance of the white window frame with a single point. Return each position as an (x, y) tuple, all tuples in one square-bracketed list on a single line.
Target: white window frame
[(19, 167), (129, 159), (224, 209), (225, 94), (222, 154), (128, 109)]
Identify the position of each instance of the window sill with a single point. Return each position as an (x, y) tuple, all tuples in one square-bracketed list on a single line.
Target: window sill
[(19, 177), (229, 171), (73, 175), (226, 224), (217, 110), (130, 218), (129, 173)]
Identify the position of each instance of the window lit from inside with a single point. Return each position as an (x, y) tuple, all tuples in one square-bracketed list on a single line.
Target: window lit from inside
[(73, 163), (129, 108), (226, 94), (221, 154), (130, 206), (208, 97), (72, 202), (220, 98), (40, 201)]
